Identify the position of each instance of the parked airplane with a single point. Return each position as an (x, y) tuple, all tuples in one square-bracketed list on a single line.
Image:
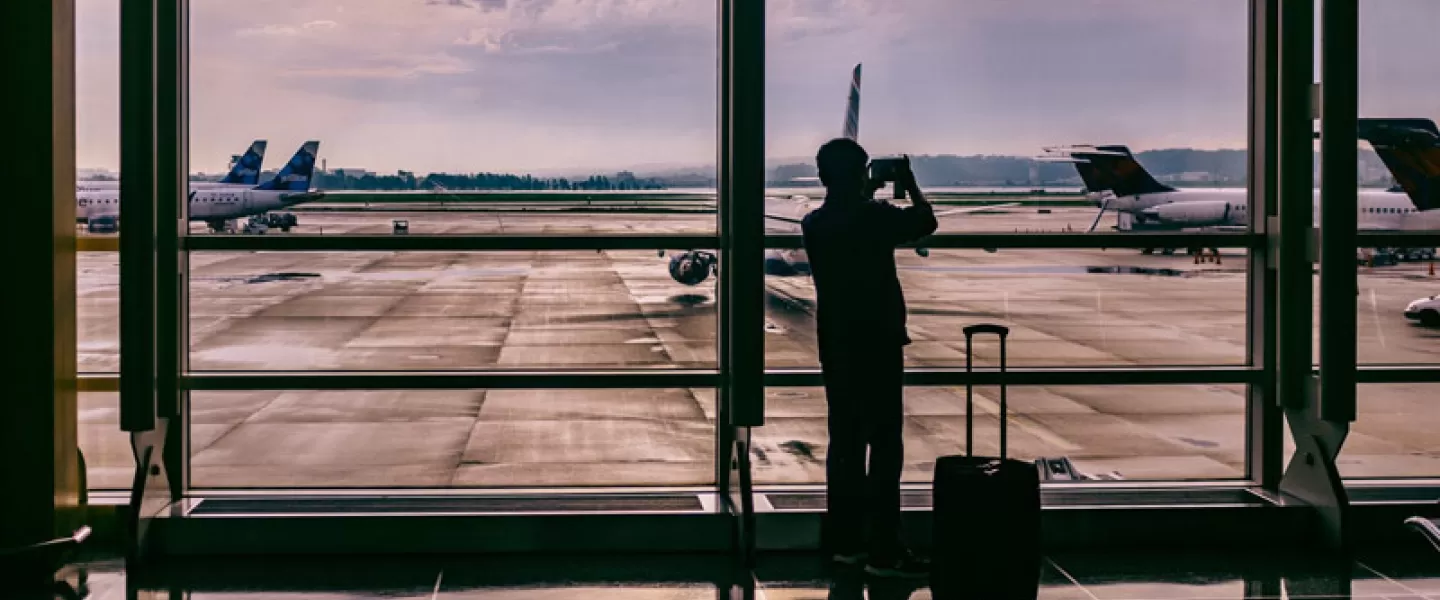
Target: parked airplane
[(217, 206), (244, 173), (1410, 148), (693, 267)]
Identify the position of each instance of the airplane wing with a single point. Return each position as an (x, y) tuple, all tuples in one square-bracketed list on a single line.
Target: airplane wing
[(974, 209)]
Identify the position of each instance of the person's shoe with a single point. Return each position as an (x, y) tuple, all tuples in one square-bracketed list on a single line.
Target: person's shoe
[(850, 557), (903, 565)]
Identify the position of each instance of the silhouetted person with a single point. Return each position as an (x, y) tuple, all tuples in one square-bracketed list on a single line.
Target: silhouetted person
[(850, 242)]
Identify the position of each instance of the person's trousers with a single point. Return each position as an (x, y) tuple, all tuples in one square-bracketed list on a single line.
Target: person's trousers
[(864, 389)]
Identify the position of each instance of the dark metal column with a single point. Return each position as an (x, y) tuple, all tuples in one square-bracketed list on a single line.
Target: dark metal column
[(1339, 73), (139, 264), (40, 495), (742, 238), (745, 234), (1265, 421), (1319, 416), (171, 211), (725, 438)]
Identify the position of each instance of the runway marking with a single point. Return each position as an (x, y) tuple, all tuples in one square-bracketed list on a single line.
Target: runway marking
[(1029, 425), (1375, 314)]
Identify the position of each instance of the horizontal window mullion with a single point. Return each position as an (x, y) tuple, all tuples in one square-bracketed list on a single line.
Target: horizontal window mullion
[(1398, 239), (460, 380), (1019, 241), (1397, 374), (98, 382), (1043, 376), (446, 243)]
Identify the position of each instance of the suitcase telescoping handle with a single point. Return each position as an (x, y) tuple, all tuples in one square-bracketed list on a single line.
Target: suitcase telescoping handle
[(970, 332)]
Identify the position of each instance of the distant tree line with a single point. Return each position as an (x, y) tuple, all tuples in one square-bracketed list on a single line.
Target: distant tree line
[(405, 180)]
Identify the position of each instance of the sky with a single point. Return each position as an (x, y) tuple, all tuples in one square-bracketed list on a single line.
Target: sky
[(576, 86)]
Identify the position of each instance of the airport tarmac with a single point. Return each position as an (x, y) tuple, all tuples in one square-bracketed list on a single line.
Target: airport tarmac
[(620, 309)]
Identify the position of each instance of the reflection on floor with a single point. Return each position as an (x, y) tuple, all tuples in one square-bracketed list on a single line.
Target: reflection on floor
[(1149, 576)]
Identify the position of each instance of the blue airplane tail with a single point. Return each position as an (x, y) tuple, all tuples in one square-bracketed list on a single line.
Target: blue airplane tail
[(247, 170), (297, 174)]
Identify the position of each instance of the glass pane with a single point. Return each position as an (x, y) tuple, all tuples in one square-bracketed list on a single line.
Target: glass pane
[(442, 438), (454, 116), (1399, 315), (976, 91), (1064, 307), (98, 311), (1109, 432), (109, 463), (97, 117), (1394, 435), (446, 310), (1400, 167)]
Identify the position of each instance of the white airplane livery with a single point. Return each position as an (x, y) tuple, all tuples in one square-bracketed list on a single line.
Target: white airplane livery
[(1410, 148), (693, 267), (244, 173), (218, 204)]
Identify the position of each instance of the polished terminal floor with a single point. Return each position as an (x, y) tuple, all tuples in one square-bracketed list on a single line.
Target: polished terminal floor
[(1413, 574)]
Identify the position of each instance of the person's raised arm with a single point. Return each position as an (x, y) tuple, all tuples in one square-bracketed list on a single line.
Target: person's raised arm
[(917, 221)]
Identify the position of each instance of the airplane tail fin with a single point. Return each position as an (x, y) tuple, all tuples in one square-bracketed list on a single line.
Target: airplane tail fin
[(1117, 170), (1098, 166), (246, 170), (297, 174), (852, 107), (1410, 148)]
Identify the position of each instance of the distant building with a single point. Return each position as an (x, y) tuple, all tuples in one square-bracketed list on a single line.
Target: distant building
[(352, 173), (1191, 177)]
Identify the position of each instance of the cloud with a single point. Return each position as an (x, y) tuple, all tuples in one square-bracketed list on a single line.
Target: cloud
[(389, 68), (281, 30), (268, 30)]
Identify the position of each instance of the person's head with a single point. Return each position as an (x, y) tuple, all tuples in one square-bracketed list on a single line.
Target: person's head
[(842, 164)]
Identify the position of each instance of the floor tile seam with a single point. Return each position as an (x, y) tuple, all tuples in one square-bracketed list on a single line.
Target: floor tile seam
[(1409, 590), (1071, 578)]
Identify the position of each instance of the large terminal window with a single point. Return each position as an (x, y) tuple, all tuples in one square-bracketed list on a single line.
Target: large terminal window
[(1035, 137), (498, 189), (1398, 320), (97, 263), (479, 244)]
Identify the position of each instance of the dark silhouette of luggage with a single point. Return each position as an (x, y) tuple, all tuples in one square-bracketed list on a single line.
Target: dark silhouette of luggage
[(986, 532)]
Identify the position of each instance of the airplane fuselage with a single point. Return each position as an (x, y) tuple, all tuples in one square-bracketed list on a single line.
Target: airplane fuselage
[(1229, 207), (212, 204)]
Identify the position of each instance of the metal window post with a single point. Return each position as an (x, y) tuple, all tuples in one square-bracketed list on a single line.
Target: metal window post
[(1339, 70), (1264, 421), (171, 212), (139, 268), (742, 239), (725, 435), (1319, 419)]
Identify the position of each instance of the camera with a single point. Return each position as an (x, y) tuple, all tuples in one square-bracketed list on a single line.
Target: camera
[(889, 170)]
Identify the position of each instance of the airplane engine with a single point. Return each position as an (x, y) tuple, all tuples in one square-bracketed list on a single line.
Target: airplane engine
[(693, 267), (1190, 214)]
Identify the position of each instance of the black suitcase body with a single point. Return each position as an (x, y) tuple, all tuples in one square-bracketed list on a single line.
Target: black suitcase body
[(986, 509)]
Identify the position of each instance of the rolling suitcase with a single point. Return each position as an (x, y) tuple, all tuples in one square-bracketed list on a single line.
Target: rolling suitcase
[(986, 528)]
